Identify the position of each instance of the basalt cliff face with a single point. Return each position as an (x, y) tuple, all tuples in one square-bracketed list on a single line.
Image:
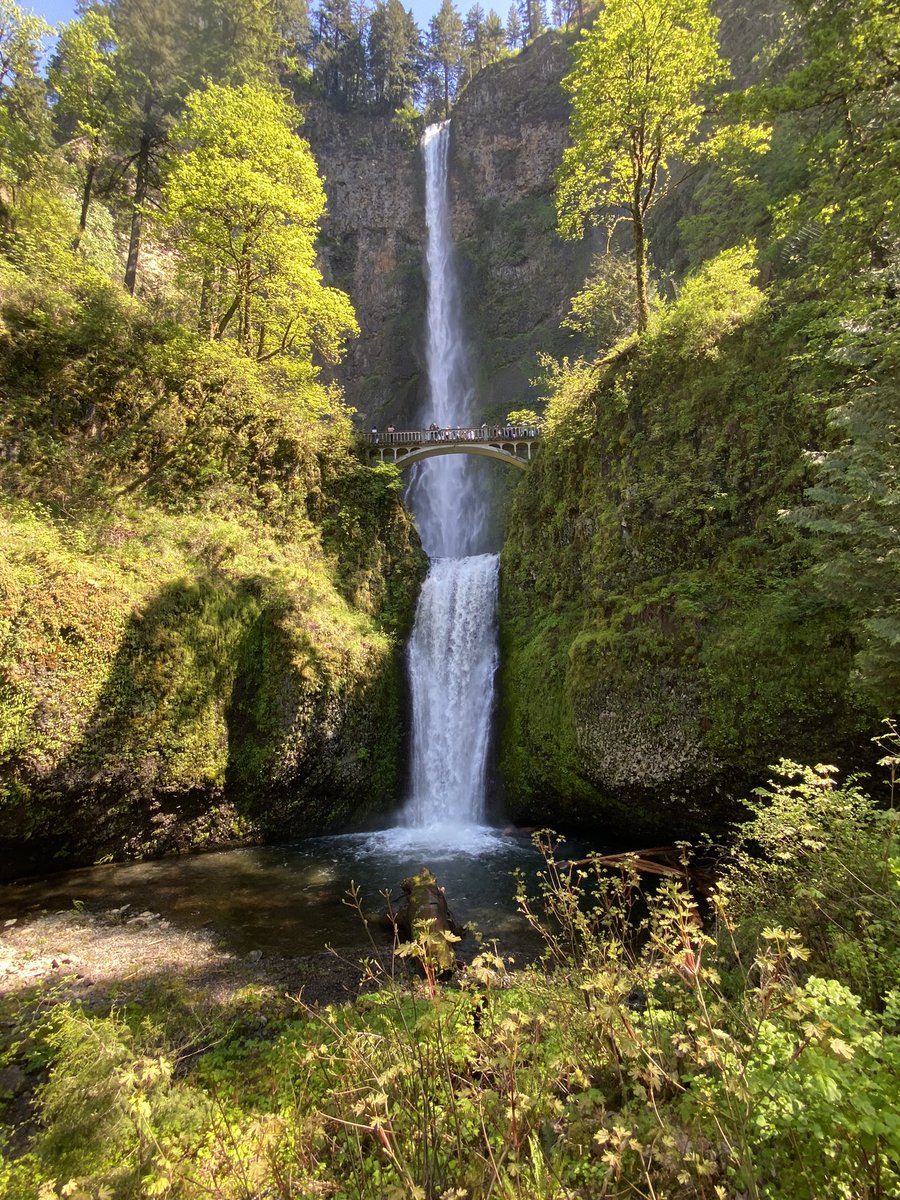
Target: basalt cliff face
[(371, 246), (509, 130)]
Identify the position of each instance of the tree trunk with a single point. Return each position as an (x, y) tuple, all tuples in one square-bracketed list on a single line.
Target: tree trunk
[(85, 205), (640, 268), (205, 325), (141, 185)]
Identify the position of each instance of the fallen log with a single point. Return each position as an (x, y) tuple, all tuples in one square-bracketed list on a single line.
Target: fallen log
[(424, 918), (644, 862)]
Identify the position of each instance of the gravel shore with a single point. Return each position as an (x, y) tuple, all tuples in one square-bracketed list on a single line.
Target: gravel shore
[(115, 955)]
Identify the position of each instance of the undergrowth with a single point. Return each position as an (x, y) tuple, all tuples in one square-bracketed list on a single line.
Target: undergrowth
[(666, 1046)]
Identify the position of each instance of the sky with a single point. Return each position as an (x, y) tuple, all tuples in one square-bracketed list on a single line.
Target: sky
[(55, 11)]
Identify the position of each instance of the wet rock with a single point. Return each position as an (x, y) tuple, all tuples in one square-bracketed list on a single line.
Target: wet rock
[(13, 1081)]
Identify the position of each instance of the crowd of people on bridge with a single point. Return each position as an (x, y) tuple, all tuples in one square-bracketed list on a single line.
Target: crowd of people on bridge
[(435, 433)]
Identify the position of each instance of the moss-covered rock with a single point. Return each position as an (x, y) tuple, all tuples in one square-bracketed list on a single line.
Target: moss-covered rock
[(663, 639), (173, 682), (203, 591)]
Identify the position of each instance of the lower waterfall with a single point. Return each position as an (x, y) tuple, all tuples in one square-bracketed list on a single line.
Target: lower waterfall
[(452, 662)]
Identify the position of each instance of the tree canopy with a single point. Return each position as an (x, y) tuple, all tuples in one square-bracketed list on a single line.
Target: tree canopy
[(246, 194), (638, 86)]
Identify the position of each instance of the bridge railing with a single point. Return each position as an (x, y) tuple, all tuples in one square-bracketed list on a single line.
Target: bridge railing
[(456, 433)]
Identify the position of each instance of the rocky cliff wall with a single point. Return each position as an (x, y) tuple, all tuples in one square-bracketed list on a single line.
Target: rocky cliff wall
[(508, 134), (510, 127), (371, 246)]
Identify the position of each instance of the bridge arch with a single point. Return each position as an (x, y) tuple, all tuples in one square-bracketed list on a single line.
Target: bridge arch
[(405, 458), (510, 445)]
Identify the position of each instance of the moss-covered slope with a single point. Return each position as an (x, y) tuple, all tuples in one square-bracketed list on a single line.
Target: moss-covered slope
[(169, 682), (203, 592), (662, 637)]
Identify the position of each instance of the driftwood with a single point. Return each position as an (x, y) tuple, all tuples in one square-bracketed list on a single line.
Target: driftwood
[(646, 863), (423, 917)]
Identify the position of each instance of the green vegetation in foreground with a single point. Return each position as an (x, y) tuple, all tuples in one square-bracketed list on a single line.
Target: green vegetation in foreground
[(753, 1053)]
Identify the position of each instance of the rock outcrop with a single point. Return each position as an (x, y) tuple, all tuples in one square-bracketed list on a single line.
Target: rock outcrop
[(508, 133), (371, 247)]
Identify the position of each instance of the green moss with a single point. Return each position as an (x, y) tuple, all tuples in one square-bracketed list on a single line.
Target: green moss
[(203, 591), (663, 633), (162, 676)]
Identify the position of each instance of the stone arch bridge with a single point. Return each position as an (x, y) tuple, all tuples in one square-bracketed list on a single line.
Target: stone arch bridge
[(512, 444)]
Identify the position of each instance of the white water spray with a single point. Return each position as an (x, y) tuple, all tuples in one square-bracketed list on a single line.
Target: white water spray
[(452, 662), (453, 648), (443, 492)]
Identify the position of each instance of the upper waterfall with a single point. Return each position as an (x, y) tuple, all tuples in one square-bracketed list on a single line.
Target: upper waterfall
[(444, 493)]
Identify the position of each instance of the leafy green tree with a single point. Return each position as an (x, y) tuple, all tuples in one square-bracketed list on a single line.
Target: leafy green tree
[(245, 193), (637, 88), (445, 46), (603, 310), (89, 101), (25, 141), (395, 53), (842, 83)]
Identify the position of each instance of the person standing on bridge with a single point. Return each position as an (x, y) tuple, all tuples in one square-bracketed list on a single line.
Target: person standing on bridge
[(375, 434), (391, 431)]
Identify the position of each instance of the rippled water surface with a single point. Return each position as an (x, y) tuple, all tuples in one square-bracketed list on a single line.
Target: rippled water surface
[(291, 899)]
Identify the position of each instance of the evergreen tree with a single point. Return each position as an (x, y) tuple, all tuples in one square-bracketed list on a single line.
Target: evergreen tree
[(395, 53), (89, 100), (154, 37), (515, 35), (293, 26), (533, 18), (566, 13), (338, 51), (494, 36), (445, 47), (473, 40), (233, 41)]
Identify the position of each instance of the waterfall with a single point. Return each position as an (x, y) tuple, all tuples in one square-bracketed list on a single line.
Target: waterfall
[(443, 492), (452, 661), (453, 648)]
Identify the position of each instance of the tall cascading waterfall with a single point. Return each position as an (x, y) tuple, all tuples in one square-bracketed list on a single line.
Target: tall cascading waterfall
[(453, 649)]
